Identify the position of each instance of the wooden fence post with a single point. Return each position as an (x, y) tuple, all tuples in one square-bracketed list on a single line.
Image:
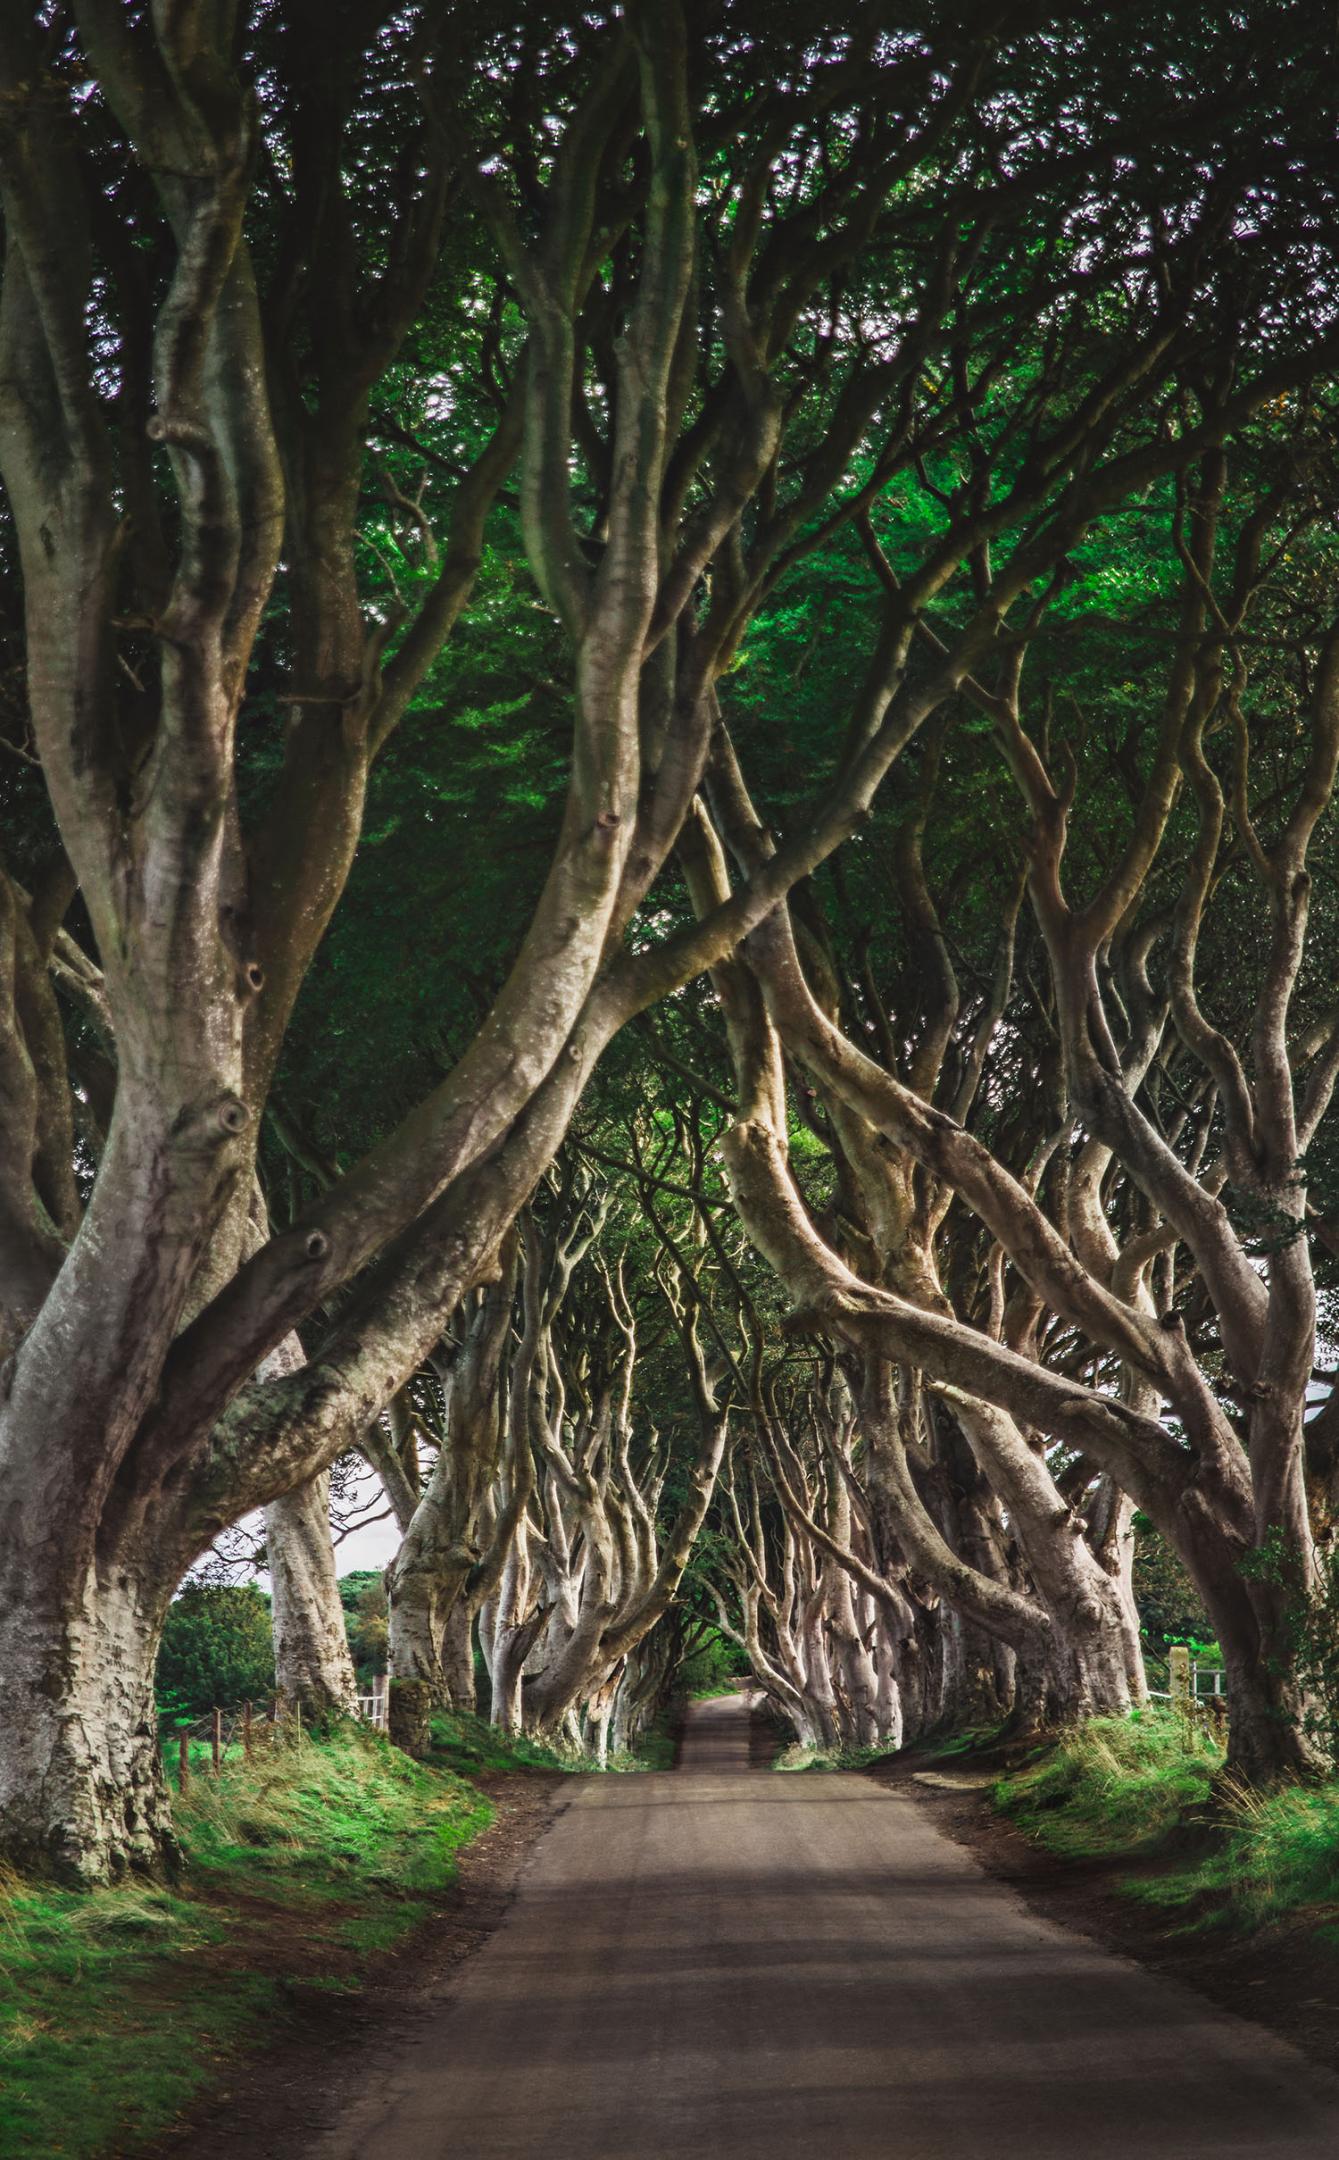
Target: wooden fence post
[(1178, 1666), (246, 1730), (218, 1740), (183, 1760)]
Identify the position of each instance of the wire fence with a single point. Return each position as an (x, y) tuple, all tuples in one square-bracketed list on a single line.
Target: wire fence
[(207, 1743), (204, 1745)]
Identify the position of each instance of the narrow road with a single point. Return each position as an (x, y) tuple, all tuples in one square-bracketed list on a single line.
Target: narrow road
[(734, 1965)]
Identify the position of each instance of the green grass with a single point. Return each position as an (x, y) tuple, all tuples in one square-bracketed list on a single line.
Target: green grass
[(1277, 1856), (655, 1750), (470, 1746), (117, 2007), (968, 1740), (1116, 1786), (798, 1756)]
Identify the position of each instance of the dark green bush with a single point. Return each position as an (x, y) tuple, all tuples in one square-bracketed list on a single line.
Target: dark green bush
[(216, 1651)]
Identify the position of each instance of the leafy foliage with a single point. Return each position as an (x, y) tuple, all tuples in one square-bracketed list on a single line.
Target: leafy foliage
[(363, 1596), (1170, 1608), (216, 1652), (710, 1667)]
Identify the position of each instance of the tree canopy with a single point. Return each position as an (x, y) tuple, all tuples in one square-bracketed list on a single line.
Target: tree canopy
[(671, 693)]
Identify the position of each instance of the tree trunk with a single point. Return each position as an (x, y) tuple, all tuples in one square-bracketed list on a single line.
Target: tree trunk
[(977, 1668), (1083, 1673), (1111, 1531), (424, 1584), (458, 1656), (509, 1630), (1254, 1620), (1266, 1740), (82, 1791), (312, 1663), (410, 1714)]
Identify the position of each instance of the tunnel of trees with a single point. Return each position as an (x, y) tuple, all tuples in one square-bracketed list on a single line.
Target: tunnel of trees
[(669, 700)]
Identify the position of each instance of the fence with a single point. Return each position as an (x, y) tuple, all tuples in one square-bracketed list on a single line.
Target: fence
[(1191, 1684), (374, 1709), (210, 1741)]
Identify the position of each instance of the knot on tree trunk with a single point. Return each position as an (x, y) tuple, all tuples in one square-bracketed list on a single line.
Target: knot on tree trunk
[(208, 1124)]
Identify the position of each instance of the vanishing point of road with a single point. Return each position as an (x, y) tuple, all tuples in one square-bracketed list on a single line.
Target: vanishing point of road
[(725, 1964)]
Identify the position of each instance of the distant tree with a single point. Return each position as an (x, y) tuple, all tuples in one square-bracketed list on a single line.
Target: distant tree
[(1170, 1608), (714, 1662), (216, 1650), (363, 1596)]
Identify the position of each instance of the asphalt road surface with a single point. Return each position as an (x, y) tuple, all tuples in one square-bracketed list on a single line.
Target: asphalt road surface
[(734, 1965)]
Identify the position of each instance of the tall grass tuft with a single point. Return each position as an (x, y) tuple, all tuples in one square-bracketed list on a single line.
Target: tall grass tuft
[(116, 2007), (1115, 1785), (1277, 1855), (306, 1815), (1118, 1787)]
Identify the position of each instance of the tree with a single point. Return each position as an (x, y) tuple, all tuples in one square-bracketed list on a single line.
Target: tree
[(1174, 1304), (363, 1597), (216, 1651), (713, 327), (545, 1516)]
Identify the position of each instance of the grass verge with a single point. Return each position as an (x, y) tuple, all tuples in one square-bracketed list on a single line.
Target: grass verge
[(800, 1756), (117, 2008), (1276, 1858), (1119, 1788), (469, 1746), (1114, 1787)]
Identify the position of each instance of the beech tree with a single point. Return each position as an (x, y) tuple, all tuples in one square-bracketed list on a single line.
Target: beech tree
[(707, 326), (836, 1657), (1146, 1297), (608, 1572), (540, 1514), (167, 431)]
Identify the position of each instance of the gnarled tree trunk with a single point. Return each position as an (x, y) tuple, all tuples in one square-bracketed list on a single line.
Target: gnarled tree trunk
[(82, 1790), (312, 1662)]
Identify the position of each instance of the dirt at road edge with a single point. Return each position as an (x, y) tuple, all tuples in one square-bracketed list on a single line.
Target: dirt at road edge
[(272, 2103), (1285, 1977)]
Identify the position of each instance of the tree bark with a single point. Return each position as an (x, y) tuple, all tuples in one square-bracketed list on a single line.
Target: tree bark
[(82, 1790), (312, 1663)]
